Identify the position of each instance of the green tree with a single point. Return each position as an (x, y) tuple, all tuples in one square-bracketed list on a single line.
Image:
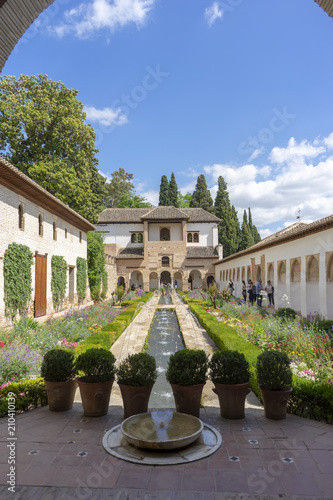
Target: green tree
[(120, 185), (133, 201), (229, 225), (238, 231), (184, 200), (254, 231), (96, 263), (173, 191), (43, 133), (164, 199), (201, 197), (247, 238)]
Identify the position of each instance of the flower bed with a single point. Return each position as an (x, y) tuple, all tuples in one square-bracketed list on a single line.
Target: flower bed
[(245, 328), (23, 347)]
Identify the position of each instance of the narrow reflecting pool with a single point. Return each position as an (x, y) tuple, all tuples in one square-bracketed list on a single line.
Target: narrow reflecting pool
[(164, 340)]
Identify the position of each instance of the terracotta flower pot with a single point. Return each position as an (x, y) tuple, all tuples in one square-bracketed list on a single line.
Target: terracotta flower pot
[(275, 403), (232, 399), (188, 398), (60, 395), (95, 397), (135, 399)]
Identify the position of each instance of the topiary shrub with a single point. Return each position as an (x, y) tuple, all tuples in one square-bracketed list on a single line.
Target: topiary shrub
[(58, 280), (137, 370), (273, 371), (58, 365), (187, 367), (286, 313), (96, 365), (229, 367), (81, 278), (17, 263)]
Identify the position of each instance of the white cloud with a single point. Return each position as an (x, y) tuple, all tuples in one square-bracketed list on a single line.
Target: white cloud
[(213, 13), (256, 153), (295, 152), (90, 17), (274, 194), (106, 116), (328, 141)]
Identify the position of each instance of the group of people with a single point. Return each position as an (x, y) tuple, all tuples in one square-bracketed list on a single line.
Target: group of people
[(253, 292)]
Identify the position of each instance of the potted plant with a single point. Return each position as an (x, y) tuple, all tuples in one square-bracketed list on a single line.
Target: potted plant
[(96, 367), (136, 376), (58, 372), (230, 373), (187, 375), (274, 377)]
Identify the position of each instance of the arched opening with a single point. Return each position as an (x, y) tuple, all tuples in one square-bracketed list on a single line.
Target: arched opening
[(21, 217), (248, 277), (40, 225), (136, 280), (295, 288), (153, 281), (329, 285), (312, 285), (195, 280), (165, 234), (312, 274), (55, 231), (210, 280), (258, 273), (282, 272), (196, 238), (270, 273), (189, 237), (178, 281), (243, 273), (121, 282), (165, 277)]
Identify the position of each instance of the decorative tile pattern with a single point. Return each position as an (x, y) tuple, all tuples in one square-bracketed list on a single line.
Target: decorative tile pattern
[(82, 454), (253, 441), (33, 452), (234, 459), (287, 460)]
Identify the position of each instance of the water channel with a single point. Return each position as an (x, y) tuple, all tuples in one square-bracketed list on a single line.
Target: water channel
[(164, 340)]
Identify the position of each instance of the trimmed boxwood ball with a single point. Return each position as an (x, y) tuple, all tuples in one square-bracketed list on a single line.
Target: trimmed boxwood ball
[(96, 365), (137, 370), (58, 365), (273, 371), (187, 367), (229, 367)]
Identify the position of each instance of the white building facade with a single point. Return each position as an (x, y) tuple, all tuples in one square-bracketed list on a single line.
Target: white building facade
[(162, 244), (31, 216), (297, 260)]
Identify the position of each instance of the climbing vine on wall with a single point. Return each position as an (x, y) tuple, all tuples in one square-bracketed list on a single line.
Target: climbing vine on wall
[(18, 260), (104, 284), (81, 278), (96, 263), (58, 279)]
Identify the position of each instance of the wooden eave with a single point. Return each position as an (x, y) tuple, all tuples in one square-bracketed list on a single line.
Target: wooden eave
[(16, 181)]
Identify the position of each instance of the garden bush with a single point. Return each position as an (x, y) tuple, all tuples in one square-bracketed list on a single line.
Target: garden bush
[(28, 394)]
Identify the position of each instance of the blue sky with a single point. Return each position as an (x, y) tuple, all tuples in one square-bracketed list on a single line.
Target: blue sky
[(236, 88)]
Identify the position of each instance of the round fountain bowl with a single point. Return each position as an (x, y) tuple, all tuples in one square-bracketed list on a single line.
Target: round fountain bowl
[(161, 430)]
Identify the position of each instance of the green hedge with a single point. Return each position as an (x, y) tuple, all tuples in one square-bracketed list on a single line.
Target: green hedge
[(226, 338), (308, 399), (29, 394)]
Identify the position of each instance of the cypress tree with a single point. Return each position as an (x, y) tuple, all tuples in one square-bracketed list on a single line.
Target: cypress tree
[(254, 231), (164, 192), (247, 238), (201, 197), (229, 226), (238, 241), (173, 191)]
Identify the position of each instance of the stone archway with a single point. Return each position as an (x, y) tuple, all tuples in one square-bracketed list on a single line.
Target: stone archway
[(165, 277), (121, 282), (195, 279), (210, 280), (178, 280), (153, 281), (136, 280)]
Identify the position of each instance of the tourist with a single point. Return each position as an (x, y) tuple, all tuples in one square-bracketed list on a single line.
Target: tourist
[(270, 292), (231, 287), (244, 289), (259, 288)]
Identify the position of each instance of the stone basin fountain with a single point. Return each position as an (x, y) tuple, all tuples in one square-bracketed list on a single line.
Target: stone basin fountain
[(161, 430)]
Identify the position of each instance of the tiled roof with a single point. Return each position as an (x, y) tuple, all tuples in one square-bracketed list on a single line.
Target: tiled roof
[(201, 252), (13, 178), (293, 232), (130, 253), (122, 215), (165, 213), (137, 215), (327, 5)]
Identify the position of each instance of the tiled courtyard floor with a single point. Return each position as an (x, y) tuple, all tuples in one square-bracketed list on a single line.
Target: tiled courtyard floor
[(60, 456)]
